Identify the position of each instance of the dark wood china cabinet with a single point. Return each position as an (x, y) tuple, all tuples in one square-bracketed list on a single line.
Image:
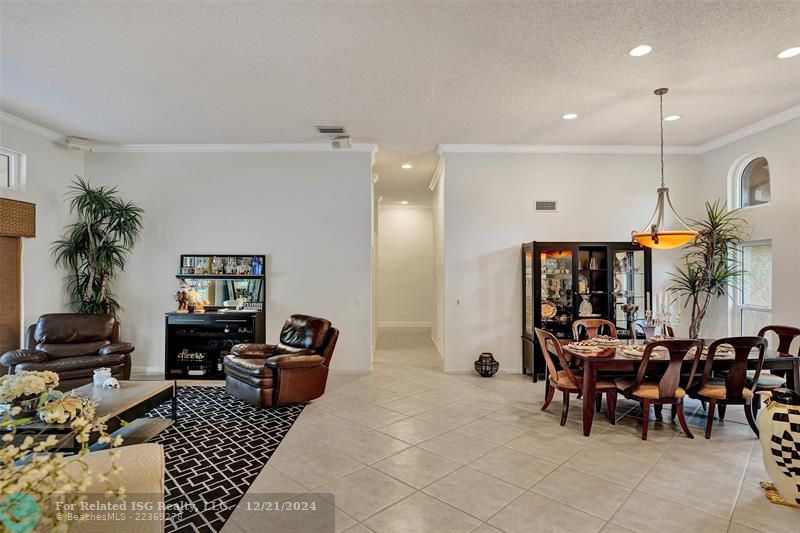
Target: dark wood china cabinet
[(565, 281)]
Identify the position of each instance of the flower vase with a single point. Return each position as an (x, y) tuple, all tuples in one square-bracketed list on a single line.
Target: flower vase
[(585, 309), (779, 433)]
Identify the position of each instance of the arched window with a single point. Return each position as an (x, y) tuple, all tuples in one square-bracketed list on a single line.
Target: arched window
[(753, 183)]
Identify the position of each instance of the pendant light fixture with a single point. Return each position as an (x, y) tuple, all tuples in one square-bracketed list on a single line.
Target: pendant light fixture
[(654, 235)]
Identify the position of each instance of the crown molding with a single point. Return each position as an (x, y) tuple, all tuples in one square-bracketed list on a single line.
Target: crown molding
[(731, 137), (594, 149), (756, 127), (30, 127), (218, 148)]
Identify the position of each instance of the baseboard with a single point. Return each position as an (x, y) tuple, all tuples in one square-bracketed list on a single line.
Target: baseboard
[(147, 370), (472, 371), (405, 324)]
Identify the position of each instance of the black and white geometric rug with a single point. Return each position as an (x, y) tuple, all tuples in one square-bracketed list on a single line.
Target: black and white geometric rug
[(214, 452)]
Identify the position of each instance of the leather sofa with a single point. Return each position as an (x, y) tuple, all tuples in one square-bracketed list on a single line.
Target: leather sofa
[(293, 371), (72, 345)]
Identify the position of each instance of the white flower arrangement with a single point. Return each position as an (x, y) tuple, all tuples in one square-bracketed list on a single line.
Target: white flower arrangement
[(61, 411), (26, 384), (26, 468)]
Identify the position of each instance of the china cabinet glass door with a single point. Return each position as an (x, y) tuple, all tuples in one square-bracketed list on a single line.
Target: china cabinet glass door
[(629, 286), (557, 292), (527, 288)]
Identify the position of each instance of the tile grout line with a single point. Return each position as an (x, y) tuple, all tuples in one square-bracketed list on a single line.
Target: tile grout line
[(741, 483)]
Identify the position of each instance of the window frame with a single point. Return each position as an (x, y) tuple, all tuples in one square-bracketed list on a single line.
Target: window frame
[(735, 181), (738, 305), (16, 169)]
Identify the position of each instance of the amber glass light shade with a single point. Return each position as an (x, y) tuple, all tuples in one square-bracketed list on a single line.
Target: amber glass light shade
[(666, 239), (558, 254)]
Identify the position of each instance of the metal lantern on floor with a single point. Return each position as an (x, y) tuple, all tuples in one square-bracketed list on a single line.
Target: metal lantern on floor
[(486, 365)]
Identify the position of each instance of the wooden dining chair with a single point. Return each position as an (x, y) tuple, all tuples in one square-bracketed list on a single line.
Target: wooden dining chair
[(592, 327), (561, 377), (769, 380), (649, 390), (733, 388)]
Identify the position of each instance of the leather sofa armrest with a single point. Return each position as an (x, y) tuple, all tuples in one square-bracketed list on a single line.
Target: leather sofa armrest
[(116, 347), (256, 351), (22, 356), (294, 361)]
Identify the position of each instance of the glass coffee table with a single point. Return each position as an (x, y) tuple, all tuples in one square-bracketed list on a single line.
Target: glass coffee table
[(123, 407)]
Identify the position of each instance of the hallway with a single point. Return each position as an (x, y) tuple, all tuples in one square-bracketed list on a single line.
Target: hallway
[(411, 449), (407, 347)]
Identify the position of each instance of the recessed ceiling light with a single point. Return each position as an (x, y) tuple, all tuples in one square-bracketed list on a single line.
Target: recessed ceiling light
[(671, 118), (641, 50), (404, 202), (406, 166), (570, 116), (789, 52)]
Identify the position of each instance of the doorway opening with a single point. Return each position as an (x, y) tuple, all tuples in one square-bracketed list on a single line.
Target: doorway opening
[(404, 287)]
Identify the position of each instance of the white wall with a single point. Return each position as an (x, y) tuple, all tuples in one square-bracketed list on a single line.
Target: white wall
[(374, 263), (437, 332), (309, 212), (778, 221), (50, 168), (405, 265), (488, 202)]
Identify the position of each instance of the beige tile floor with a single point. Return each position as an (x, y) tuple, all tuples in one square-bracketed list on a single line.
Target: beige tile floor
[(411, 449)]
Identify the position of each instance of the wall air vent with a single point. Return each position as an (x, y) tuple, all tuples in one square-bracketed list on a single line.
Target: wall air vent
[(545, 206), (331, 130)]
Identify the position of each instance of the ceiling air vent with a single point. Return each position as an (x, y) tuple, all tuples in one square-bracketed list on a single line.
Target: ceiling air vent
[(331, 130), (545, 206)]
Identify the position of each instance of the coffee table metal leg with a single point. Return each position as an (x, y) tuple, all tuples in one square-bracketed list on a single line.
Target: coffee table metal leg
[(174, 402)]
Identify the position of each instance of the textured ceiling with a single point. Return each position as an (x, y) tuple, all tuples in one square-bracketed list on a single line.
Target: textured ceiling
[(400, 73)]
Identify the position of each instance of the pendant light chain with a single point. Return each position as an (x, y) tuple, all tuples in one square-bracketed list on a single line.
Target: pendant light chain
[(661, 124)]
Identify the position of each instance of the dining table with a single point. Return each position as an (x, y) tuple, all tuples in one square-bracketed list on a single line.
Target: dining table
[(613, 359)]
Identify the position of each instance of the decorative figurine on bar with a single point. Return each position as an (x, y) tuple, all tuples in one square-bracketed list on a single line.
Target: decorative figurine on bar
[(183, 300)]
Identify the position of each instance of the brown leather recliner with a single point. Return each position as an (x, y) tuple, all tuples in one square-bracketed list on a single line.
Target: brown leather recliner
[(293, 371), (72, 345)]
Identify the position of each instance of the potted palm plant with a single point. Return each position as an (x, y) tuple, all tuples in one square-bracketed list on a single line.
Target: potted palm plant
[(94, 249), (710, 265)]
